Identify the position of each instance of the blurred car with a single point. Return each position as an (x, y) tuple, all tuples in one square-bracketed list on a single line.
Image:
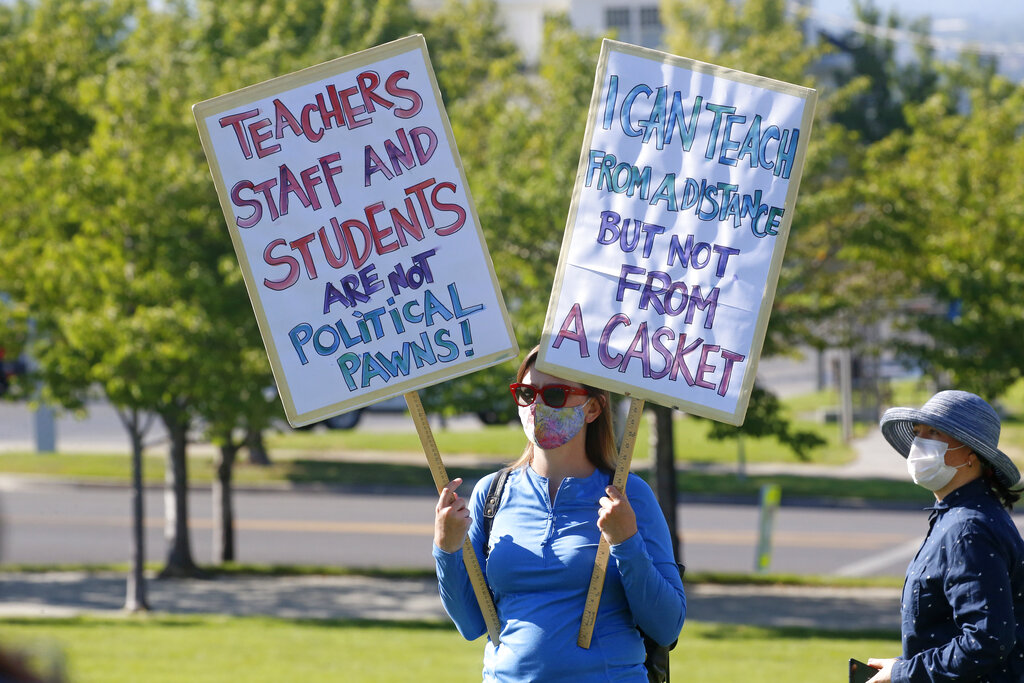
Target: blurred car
[(397, 405), (350, 419), (8, 370), (497, 416)]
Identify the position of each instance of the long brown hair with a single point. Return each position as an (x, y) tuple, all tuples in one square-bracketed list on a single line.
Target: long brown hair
[(599, 440), (1003, 492)]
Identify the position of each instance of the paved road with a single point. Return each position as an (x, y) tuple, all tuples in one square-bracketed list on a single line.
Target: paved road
[(99, 429), (51, 523)]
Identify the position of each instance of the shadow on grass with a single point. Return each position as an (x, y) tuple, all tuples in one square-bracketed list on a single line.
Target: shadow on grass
[(278, 570), (693, 630), (417, 478), (407, 624), (740, 632), (372, 475), (797, 488), (136, 620), (143, 620)]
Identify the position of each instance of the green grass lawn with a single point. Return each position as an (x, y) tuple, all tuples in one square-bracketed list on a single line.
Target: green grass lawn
[(202, 648), (380, 474), (276, 570)]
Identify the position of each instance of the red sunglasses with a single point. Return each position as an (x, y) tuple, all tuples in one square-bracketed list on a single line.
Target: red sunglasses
[(554, 395)]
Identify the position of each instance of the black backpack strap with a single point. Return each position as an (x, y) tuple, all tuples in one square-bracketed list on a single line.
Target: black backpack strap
[(492, 502)]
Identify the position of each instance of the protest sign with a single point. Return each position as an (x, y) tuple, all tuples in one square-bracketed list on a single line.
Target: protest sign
[(354, 228), (679, 218)]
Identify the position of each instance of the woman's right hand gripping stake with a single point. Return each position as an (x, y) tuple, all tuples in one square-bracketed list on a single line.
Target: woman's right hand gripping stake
[(451, 518)]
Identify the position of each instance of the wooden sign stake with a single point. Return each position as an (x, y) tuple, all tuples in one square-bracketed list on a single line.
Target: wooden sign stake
[(636, 408), (437, 469)]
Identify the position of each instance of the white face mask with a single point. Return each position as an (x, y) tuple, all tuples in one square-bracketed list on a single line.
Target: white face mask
[(927, 463)]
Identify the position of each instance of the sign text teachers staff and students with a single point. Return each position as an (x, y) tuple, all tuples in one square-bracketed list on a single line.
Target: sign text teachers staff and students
[(350, 214), (681, 210)]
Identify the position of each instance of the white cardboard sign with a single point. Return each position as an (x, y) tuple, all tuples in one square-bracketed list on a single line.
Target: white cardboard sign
[(682, 206), (355, 231)]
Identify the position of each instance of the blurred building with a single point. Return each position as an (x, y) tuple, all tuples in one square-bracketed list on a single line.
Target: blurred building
[(990, 29), (631, 21)]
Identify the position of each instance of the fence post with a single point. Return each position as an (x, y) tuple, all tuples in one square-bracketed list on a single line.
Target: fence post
[(771, 495)]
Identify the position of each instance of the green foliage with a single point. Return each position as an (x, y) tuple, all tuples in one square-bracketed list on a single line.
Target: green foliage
[(118, 273), (249, 41), (520, 141), (765, 38), (119, 256), (949, 224), (48, 49), (757, 36), (884, 219), (885, 85), (765, 418), (469, 48), (519, 137)]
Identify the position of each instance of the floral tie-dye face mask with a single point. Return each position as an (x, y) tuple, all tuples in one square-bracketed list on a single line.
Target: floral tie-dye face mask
[(548, 427)]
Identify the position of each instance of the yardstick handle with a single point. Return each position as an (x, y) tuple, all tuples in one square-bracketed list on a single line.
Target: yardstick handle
[(437, 470), (636, 408)]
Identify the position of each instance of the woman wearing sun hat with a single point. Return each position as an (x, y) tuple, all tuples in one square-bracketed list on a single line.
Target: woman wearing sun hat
[(963, 599)]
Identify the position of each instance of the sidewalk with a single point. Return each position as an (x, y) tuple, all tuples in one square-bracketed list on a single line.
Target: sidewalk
[(874, 459), (103, 432), (65, 594)]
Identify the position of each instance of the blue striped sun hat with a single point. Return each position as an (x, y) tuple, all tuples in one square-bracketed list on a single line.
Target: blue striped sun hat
[(966, 417)]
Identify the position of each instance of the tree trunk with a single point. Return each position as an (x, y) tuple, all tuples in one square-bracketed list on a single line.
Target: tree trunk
[(663, 451), (179, 550), (257, 449), (223, 512), (135, 599)]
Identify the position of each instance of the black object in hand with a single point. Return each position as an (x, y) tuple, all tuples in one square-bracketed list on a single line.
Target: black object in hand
[(860, 672)]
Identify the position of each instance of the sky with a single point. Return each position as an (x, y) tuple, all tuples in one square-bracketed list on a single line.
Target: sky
[(993, 26)]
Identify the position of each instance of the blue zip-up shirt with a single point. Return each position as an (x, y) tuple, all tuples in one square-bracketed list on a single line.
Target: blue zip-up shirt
[(963, 599), (539, 566)]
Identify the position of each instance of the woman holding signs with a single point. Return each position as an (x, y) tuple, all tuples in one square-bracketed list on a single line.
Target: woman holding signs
[(539, 556), (963, 599)]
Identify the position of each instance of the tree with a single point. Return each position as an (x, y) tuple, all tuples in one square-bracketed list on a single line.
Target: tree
[(232, 410), (249, 41), (665, 485), (763, 419), (887, 83), (48, 49), (519, 137), (763, 37), (163, 323), (826, 295), (943, 215), (238, 45), (52, 54), (469, 49), (143, 156)]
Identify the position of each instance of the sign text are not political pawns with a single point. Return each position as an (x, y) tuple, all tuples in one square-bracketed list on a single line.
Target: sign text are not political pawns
[(680, 214), (351, 218)]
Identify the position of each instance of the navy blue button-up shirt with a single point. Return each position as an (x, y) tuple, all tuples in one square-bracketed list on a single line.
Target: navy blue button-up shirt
[(963, 599)]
